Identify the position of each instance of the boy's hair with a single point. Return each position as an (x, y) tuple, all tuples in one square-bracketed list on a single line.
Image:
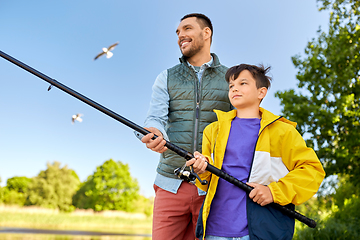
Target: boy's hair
[(258, 73), (203, 21)]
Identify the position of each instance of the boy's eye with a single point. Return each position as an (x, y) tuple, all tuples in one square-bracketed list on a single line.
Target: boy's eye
[(231, 86)]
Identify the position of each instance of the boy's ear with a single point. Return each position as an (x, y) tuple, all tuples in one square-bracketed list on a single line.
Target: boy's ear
[(262, 92)]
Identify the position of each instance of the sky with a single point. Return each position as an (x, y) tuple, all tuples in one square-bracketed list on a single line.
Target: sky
[(61, 39)]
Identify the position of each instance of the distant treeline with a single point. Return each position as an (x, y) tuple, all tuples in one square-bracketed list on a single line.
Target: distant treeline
[(111, 187)]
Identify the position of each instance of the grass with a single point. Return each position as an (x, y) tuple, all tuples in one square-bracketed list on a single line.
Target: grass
[(86, 221), (63, 237)]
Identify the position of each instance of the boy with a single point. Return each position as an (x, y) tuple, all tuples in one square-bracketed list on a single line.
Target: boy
[(255, 146)]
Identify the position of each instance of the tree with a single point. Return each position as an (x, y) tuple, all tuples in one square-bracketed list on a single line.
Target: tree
[(340, 220), (327, 107), (15, 191), (18, 184), (1, 192), (53, 188), (111, 187)]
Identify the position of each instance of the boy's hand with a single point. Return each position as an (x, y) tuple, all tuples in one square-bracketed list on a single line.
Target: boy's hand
[(260, 194), (199, 163), (157, 145)]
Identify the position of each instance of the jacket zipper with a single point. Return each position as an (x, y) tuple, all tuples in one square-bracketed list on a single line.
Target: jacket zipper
[(197, 109), (256, 145), (196, 117)]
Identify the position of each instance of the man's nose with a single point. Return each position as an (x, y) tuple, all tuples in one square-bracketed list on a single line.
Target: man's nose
[(181, 35)]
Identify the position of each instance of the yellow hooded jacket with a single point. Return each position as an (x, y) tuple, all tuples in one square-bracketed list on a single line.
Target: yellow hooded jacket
[(282, 161)]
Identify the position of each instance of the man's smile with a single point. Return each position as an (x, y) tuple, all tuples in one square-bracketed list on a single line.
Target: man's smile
[(184, 42)]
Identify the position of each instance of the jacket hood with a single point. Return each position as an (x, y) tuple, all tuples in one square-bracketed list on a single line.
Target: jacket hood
[(266, 117)]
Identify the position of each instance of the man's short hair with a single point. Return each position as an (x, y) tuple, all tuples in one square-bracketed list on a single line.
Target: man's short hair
[(258, 73), (203, 21)]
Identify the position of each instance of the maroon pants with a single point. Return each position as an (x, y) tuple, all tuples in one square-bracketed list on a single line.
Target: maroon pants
[(175, 215)]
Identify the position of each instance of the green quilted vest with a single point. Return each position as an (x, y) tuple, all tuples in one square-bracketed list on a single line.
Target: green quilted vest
[(191, 108)]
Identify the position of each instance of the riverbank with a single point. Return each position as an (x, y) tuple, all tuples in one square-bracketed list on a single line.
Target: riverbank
[(86, 220)]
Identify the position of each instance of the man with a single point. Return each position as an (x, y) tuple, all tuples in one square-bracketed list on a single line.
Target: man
[(182, 104)]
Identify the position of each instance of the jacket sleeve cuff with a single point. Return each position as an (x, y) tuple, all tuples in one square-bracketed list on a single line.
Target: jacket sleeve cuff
[(204, 176), (158, 126), (276, 193)]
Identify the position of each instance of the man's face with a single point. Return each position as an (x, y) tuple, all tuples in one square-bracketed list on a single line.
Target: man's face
[(243, 92), (190, 37)]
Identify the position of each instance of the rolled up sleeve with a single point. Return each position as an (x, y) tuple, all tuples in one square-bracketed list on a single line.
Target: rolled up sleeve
[(157, 116)]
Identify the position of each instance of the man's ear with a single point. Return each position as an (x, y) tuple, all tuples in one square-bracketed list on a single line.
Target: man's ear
[(207, 33), (262, 92)]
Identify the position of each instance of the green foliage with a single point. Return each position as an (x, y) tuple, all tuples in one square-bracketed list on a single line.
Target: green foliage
[(111, 187), (1, 192), (12, 197), (327, 107), (340, 221), (53, 188), (342, 12), (144, 205), (15, 192), (18, 184)]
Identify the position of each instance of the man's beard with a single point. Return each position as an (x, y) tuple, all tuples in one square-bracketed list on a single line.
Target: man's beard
[(194, 49)]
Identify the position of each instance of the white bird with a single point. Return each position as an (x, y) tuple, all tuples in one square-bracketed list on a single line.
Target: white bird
[(76, 117), (107, 51)]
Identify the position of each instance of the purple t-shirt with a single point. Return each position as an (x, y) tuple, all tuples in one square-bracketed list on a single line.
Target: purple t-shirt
[(227, 216)]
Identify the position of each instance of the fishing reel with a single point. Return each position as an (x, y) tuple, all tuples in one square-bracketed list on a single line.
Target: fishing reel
[(188, 176)]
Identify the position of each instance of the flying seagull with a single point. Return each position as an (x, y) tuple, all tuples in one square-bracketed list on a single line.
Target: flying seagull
[(76, 117), (107, 51)]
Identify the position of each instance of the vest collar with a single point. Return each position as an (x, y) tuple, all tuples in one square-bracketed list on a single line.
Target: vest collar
[(215, 63)]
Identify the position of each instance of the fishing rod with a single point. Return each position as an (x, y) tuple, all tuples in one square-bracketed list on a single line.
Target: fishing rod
[(180, 172)]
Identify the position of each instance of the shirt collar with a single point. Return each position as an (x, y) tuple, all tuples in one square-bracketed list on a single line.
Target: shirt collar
[(205, 65)]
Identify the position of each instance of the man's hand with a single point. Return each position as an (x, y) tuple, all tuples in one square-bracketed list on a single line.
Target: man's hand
[(199, 163), (157, 145), (260, 194)]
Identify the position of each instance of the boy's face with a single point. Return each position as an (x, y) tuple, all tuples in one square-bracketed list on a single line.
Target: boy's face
[(243, 92)]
